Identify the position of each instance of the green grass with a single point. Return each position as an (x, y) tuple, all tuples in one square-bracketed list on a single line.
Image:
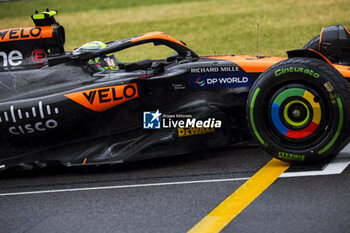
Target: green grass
[(223, 26), (26, 7)]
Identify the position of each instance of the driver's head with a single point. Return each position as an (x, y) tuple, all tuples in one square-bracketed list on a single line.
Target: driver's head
[(107, 61)]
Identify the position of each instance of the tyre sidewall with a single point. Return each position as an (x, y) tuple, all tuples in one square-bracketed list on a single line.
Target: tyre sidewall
[(327, 86)]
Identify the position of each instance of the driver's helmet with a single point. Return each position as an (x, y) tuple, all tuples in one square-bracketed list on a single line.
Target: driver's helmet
[(107, 61)]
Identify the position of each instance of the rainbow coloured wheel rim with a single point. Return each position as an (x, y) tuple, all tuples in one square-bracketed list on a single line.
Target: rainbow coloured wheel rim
[(296, 112)]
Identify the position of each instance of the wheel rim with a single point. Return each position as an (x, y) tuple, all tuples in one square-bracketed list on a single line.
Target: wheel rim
[(296, 112)]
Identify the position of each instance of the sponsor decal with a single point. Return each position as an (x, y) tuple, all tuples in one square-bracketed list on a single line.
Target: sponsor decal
[(143, 76), (16, 117), (157, 120), (38, 56), (333, 97), (200, 70), (14, 58), (183, 132), (328, 86), (200, 82), (104, 98), (191, 122), (178, 86), (219, 80), (32, 128), (25, 33), (284, 155), (100, 67), (151, 120), (281, 71)]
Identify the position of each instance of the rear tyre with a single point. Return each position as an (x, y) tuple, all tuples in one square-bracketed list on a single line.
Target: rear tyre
[(299, 109)]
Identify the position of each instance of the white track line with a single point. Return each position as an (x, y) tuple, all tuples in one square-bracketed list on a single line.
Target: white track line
[(337, 166), (334, 168), (123, 186)]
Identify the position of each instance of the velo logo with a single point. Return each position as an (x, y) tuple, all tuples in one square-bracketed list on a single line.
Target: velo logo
[(101, 99)]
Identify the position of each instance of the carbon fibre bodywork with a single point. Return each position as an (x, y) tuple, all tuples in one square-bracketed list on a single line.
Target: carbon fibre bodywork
[(44, 117), (56, 107)]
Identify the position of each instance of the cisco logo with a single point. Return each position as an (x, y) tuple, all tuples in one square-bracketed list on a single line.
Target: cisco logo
[(40, 114), (32, 128)]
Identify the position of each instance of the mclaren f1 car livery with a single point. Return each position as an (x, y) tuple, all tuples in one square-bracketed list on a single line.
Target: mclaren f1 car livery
[(86, 107)]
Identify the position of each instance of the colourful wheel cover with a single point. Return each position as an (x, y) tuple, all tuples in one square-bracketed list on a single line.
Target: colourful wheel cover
[(276, 116)]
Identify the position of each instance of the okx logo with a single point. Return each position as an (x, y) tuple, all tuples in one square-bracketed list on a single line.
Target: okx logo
[(151, 120)]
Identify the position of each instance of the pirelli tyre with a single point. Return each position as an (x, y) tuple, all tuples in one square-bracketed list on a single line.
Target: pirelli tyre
[(298, 110)]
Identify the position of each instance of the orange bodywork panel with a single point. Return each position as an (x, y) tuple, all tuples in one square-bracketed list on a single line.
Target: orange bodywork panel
[(26, 33), (251, 64), (157, 35), (344, 70), (102, 99)]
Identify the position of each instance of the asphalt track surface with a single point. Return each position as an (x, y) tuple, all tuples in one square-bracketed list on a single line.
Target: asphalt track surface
[(173, 194)]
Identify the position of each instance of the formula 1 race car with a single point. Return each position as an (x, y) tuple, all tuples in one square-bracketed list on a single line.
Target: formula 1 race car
[(86, 107)]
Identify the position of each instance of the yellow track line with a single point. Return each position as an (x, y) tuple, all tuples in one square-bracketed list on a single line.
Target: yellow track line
[(224, 213)]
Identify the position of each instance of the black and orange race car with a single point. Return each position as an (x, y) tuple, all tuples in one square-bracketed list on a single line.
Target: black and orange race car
[(84, 108)]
